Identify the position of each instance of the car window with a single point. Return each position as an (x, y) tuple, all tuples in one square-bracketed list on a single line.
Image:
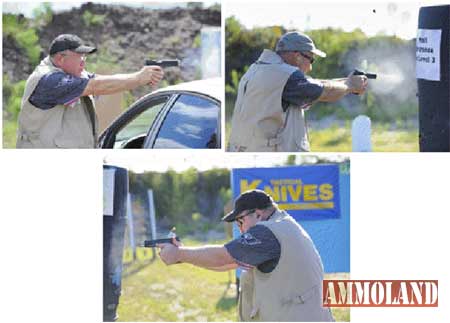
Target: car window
[(140, 124), (191, 123)]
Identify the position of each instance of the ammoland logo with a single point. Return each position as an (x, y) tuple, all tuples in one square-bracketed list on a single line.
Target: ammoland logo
[(380, 293)]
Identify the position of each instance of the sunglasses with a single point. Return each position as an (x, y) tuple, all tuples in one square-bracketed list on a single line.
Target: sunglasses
[(240, 220), (309, 58)]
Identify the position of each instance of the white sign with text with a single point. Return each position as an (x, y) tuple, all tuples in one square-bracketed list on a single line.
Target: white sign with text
[(428, 48)]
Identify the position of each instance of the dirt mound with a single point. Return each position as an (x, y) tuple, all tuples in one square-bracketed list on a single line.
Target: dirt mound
[(126, 36)]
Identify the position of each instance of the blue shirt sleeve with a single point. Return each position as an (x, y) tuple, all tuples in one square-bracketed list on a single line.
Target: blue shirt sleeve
[(57, 88), (300, 91), (258, 247)]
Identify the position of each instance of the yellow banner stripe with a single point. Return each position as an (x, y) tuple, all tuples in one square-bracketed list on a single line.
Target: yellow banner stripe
[(306, 206)]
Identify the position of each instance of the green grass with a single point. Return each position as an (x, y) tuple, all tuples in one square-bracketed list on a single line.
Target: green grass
[(152, 291), (339, 139)]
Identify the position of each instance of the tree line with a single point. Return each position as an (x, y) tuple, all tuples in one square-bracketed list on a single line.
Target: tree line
[(392, 57), (190, 200)]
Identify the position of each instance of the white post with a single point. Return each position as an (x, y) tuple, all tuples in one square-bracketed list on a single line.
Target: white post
[(131, 226), (151, 213), (361, 133), (211, 44)]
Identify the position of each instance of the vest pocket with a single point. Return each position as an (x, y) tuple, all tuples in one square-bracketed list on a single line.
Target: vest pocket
[(305, 296), (294, 132), (68, 143), (29, 141)]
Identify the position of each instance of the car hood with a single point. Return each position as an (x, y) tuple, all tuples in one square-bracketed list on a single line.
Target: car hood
[(213, 87)]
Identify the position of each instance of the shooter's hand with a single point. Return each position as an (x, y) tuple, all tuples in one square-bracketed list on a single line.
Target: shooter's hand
[(169, 253), (357, 83), (150, 75), (176, 242)]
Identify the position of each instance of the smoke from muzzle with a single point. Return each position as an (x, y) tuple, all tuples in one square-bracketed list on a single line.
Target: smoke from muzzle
[(392, 96), (395, 66)]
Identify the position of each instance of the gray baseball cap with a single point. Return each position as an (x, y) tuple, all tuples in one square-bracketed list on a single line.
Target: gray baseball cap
[(297, 42)]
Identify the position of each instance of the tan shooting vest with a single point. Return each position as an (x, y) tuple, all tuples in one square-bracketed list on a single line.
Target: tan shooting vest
[(292, 292), (258, 122), (62, 126)]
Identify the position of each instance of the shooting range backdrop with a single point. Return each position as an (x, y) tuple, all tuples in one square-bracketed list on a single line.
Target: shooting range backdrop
[(433, 77), (317, 196)]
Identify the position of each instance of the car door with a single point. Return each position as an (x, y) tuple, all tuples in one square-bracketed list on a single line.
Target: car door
[(192, 120), (131, 128)]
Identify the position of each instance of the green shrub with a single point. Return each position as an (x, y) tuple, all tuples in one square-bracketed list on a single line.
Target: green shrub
[(232, 87), (12, 97), (172, 40), (12, 93), (102, 62), (25, 36), (197, 41), (196, 216), (91, 19), (43, 14), (29, 41)]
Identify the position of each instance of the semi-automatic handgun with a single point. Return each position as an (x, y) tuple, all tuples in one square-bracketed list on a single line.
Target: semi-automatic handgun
[(163, 62)]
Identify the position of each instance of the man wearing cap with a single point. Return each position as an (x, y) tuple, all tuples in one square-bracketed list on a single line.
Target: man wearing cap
[(57, 108), (282, 280), (274, 92)]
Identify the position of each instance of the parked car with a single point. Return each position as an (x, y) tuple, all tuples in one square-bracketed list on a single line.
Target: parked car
[(186, 115)]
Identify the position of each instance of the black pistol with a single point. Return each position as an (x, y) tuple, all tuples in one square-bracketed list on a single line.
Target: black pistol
[(153, 243), (163, 62), (368, 75)]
